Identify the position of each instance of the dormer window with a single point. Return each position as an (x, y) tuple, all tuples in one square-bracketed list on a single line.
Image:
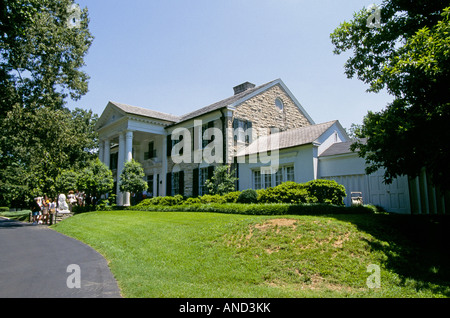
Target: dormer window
[(279, 103)]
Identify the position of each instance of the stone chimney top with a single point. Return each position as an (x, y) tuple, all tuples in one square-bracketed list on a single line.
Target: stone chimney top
[(243, 87)]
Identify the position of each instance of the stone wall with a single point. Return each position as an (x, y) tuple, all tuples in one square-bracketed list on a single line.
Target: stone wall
[(263, 113)]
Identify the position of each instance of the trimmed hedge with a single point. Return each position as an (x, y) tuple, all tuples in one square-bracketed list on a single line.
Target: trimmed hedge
[(287, 192), (315, 191), (313, 197), (260, 209)]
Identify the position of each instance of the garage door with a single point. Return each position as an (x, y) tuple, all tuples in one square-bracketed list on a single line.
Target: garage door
[(393, 198)]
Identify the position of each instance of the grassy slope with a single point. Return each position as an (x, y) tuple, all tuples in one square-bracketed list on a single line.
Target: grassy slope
[(170, 254)]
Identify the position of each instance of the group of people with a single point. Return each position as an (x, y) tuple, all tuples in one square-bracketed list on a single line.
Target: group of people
[(76, 198), (43, 208)]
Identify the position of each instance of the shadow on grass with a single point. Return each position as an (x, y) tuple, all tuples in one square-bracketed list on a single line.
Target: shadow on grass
[(418, 246)]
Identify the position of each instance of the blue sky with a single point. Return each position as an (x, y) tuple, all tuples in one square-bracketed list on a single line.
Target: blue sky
[(176, 56)]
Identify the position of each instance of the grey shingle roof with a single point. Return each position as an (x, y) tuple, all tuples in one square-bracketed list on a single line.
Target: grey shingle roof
[(145, 112), (339, 148), (221, 104), (178, 119), (287, 139)]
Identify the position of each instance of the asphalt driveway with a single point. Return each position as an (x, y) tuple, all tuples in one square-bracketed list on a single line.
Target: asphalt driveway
[(38, 262)]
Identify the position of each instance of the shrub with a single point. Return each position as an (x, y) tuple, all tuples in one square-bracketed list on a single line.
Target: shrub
[(264, 209), (248, 196), (211, 198), (192, 201), (287, 192), (4, 209), (165, 201), (326, 191), (231, 197)]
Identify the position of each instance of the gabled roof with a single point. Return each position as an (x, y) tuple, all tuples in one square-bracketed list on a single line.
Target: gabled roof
[(287, 139), (223, 103), (233, 101), (340, 148), (145, 112)]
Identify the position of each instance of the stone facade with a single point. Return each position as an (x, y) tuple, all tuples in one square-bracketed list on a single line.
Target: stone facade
[(262, 111)]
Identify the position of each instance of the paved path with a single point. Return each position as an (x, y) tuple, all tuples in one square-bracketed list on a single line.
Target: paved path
[(34, 263)]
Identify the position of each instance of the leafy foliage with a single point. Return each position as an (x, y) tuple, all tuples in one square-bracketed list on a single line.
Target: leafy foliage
[(96, 179), (67, 180), (287, 192), (248, 196), (409, 56), (132, 178), (222, 181), (41, 55), (161, 201), (326, 191), (41, 60)]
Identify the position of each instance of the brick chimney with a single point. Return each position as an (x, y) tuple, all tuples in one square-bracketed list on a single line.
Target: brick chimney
[(243, 87)]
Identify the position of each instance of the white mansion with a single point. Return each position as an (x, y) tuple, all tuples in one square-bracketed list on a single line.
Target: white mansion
[(263, 132)]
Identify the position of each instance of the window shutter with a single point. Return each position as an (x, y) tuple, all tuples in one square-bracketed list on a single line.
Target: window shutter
[(181, 183), (248, 138), (169, 184), (211, 125), (195, 182), (210, 172), (169, 145), (235, 126)]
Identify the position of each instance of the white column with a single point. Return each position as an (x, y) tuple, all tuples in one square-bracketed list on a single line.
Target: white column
[(120, 165), (101, 151), (129, 146), (107, 152), (163, 175), (128, 157)]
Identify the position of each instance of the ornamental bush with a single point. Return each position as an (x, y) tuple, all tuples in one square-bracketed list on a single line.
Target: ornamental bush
[(231, 197), (287, 192), (326, 191), (164, 201), (247, 196)]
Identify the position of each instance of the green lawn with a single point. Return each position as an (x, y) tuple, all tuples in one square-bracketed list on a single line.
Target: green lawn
[(186, 254)]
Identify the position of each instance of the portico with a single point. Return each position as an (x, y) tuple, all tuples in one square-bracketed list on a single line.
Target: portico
[(125, 134)]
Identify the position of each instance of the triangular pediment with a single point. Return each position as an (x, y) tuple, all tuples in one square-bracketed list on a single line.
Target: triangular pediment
[(110, 115)]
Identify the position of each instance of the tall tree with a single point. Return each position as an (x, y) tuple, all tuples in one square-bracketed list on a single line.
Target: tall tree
[(42, 53), (409, 56), (95, 179), (42, 48)]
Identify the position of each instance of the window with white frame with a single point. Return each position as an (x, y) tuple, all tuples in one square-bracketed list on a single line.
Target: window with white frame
[(290, 176), (175, 183), (267, 180), (257, 179), (264, 178)]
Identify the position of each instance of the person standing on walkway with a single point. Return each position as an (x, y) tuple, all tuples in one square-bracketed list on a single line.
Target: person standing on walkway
[(35, 209)]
